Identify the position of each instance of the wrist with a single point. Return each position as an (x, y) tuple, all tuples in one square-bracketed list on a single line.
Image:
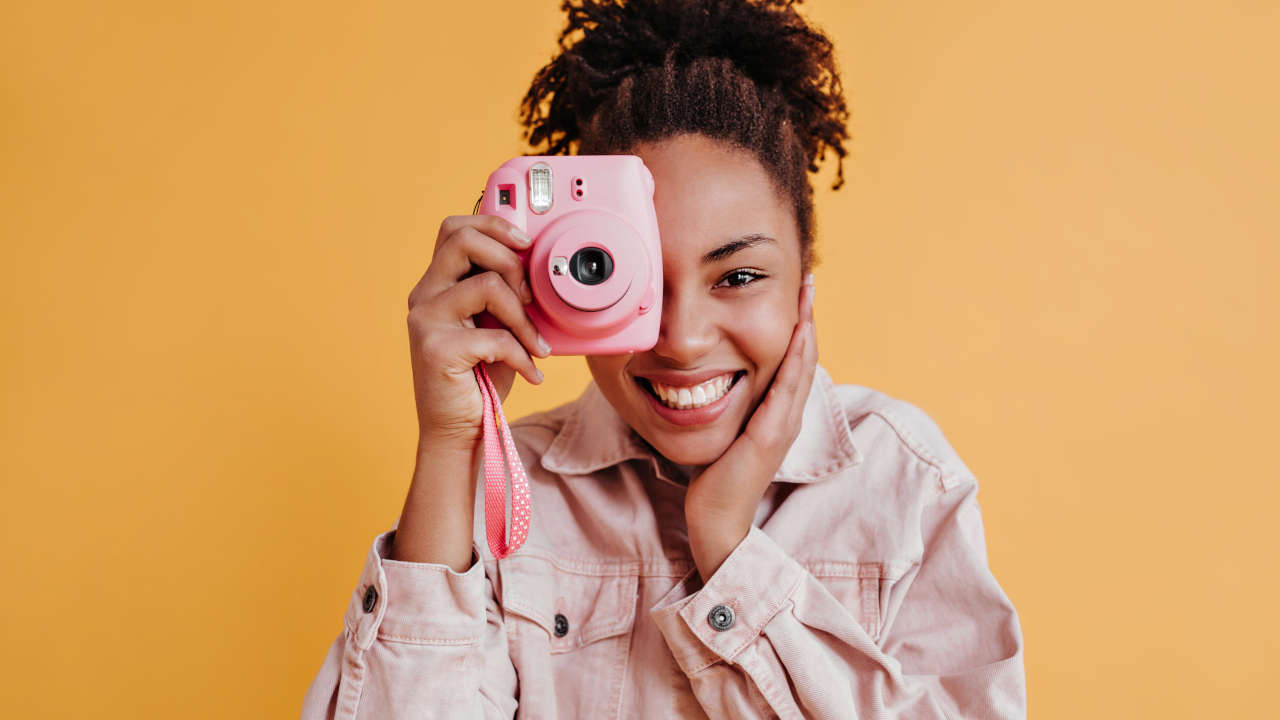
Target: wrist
[(436, 523), (445, 467), (711, 543), (715, 520), (432, 445)]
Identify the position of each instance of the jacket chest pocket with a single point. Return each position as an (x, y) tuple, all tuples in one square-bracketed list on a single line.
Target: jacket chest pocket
[(578, 625), (858, 587)]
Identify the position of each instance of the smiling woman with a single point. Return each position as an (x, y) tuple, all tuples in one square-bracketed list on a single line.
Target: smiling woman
[(718, 529), (732, 274)]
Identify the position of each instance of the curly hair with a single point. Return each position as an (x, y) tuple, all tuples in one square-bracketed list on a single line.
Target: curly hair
[(753, 73)]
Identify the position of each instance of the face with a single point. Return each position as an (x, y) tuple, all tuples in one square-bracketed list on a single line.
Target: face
[(731, 287)]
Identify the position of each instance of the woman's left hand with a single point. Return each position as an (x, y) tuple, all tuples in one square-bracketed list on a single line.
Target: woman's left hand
[(721, 503)]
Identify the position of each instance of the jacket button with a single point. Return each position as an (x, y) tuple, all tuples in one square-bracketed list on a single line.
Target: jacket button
[(721, 617), (370, 599), (562, 625)]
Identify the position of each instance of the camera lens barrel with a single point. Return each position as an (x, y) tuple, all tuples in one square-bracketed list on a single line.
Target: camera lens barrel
[(591, 265)]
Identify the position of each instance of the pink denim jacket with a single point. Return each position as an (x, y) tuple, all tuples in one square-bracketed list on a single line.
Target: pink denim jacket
[(862, 591)]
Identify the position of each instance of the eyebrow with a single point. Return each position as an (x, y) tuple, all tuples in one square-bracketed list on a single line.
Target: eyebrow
[(734, 246)]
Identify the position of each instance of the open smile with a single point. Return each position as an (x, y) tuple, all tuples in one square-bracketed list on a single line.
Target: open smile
[(691, 404)]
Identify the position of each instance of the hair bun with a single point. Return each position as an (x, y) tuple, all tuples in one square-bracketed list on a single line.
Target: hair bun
[(606, 41)]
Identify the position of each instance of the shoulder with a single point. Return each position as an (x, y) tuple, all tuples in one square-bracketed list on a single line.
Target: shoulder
[(887, 425)]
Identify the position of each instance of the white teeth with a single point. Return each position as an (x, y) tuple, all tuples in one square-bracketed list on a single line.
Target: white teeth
[(684, 398)]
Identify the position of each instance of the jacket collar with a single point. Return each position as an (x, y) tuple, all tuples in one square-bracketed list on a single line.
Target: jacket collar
[(594, 437)]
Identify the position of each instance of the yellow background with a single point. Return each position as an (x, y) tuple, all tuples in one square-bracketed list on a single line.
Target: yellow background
[(1059, 238)]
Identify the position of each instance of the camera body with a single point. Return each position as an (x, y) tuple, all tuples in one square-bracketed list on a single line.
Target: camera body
[(595, 264)]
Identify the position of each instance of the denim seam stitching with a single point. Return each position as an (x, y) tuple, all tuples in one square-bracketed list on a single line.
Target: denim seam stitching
[(419, 640)]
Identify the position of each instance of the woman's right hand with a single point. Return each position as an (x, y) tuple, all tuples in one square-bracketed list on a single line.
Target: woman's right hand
[(474, 268)]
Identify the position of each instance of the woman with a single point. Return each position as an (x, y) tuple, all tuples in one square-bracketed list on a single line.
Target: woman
[(717, 529)]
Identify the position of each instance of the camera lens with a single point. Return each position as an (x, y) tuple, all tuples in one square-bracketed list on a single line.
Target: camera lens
[(591, 266)]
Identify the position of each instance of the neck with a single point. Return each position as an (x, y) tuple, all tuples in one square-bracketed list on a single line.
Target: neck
[(681, 474)]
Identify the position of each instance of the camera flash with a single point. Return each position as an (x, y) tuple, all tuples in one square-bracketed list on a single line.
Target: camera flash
[(540, 188)]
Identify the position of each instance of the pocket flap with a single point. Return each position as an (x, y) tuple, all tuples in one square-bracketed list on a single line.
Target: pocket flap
[(857, 586), (595, 605)]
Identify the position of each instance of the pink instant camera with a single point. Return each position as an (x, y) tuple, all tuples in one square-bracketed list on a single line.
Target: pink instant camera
[(595, 265)]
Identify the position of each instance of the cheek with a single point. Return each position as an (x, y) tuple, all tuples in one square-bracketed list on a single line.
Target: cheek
[(763, 335)]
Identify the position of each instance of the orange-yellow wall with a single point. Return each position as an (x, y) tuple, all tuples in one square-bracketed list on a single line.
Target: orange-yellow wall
[(1059, 237)]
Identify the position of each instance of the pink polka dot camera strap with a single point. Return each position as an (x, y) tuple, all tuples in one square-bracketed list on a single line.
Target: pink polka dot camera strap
[(499, 457)]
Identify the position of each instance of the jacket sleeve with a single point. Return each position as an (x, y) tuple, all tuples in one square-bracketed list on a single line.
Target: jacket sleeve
[(954, 649), (420, 640)]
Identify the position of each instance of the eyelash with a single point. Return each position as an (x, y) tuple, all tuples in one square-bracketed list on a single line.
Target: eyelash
[(749, 273)]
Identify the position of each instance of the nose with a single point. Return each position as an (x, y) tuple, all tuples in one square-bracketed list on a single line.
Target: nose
[(688, 330)]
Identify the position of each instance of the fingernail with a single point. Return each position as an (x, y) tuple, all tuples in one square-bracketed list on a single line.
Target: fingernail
[(808, 279), (538, 374), (520, 236), (543, 346), (525, 294)]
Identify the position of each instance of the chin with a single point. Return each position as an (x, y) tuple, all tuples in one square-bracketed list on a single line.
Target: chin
[(698, 455), (695, 449)]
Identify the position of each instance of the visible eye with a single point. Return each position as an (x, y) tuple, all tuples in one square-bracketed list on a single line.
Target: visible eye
[(738, 278)]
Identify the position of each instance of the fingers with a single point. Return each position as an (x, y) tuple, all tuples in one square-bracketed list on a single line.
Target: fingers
[(469, 248), (777, 419), (805, 327), (787, 382), (468, 241), (797, 366), (807, 291), (503, 231), (808, 361), (489, 292), (493, 346)]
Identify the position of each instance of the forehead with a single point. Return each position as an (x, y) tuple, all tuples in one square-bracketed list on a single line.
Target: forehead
[(707, 192)]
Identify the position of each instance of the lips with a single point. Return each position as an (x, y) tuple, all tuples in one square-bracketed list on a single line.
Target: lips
[(689, 392)]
